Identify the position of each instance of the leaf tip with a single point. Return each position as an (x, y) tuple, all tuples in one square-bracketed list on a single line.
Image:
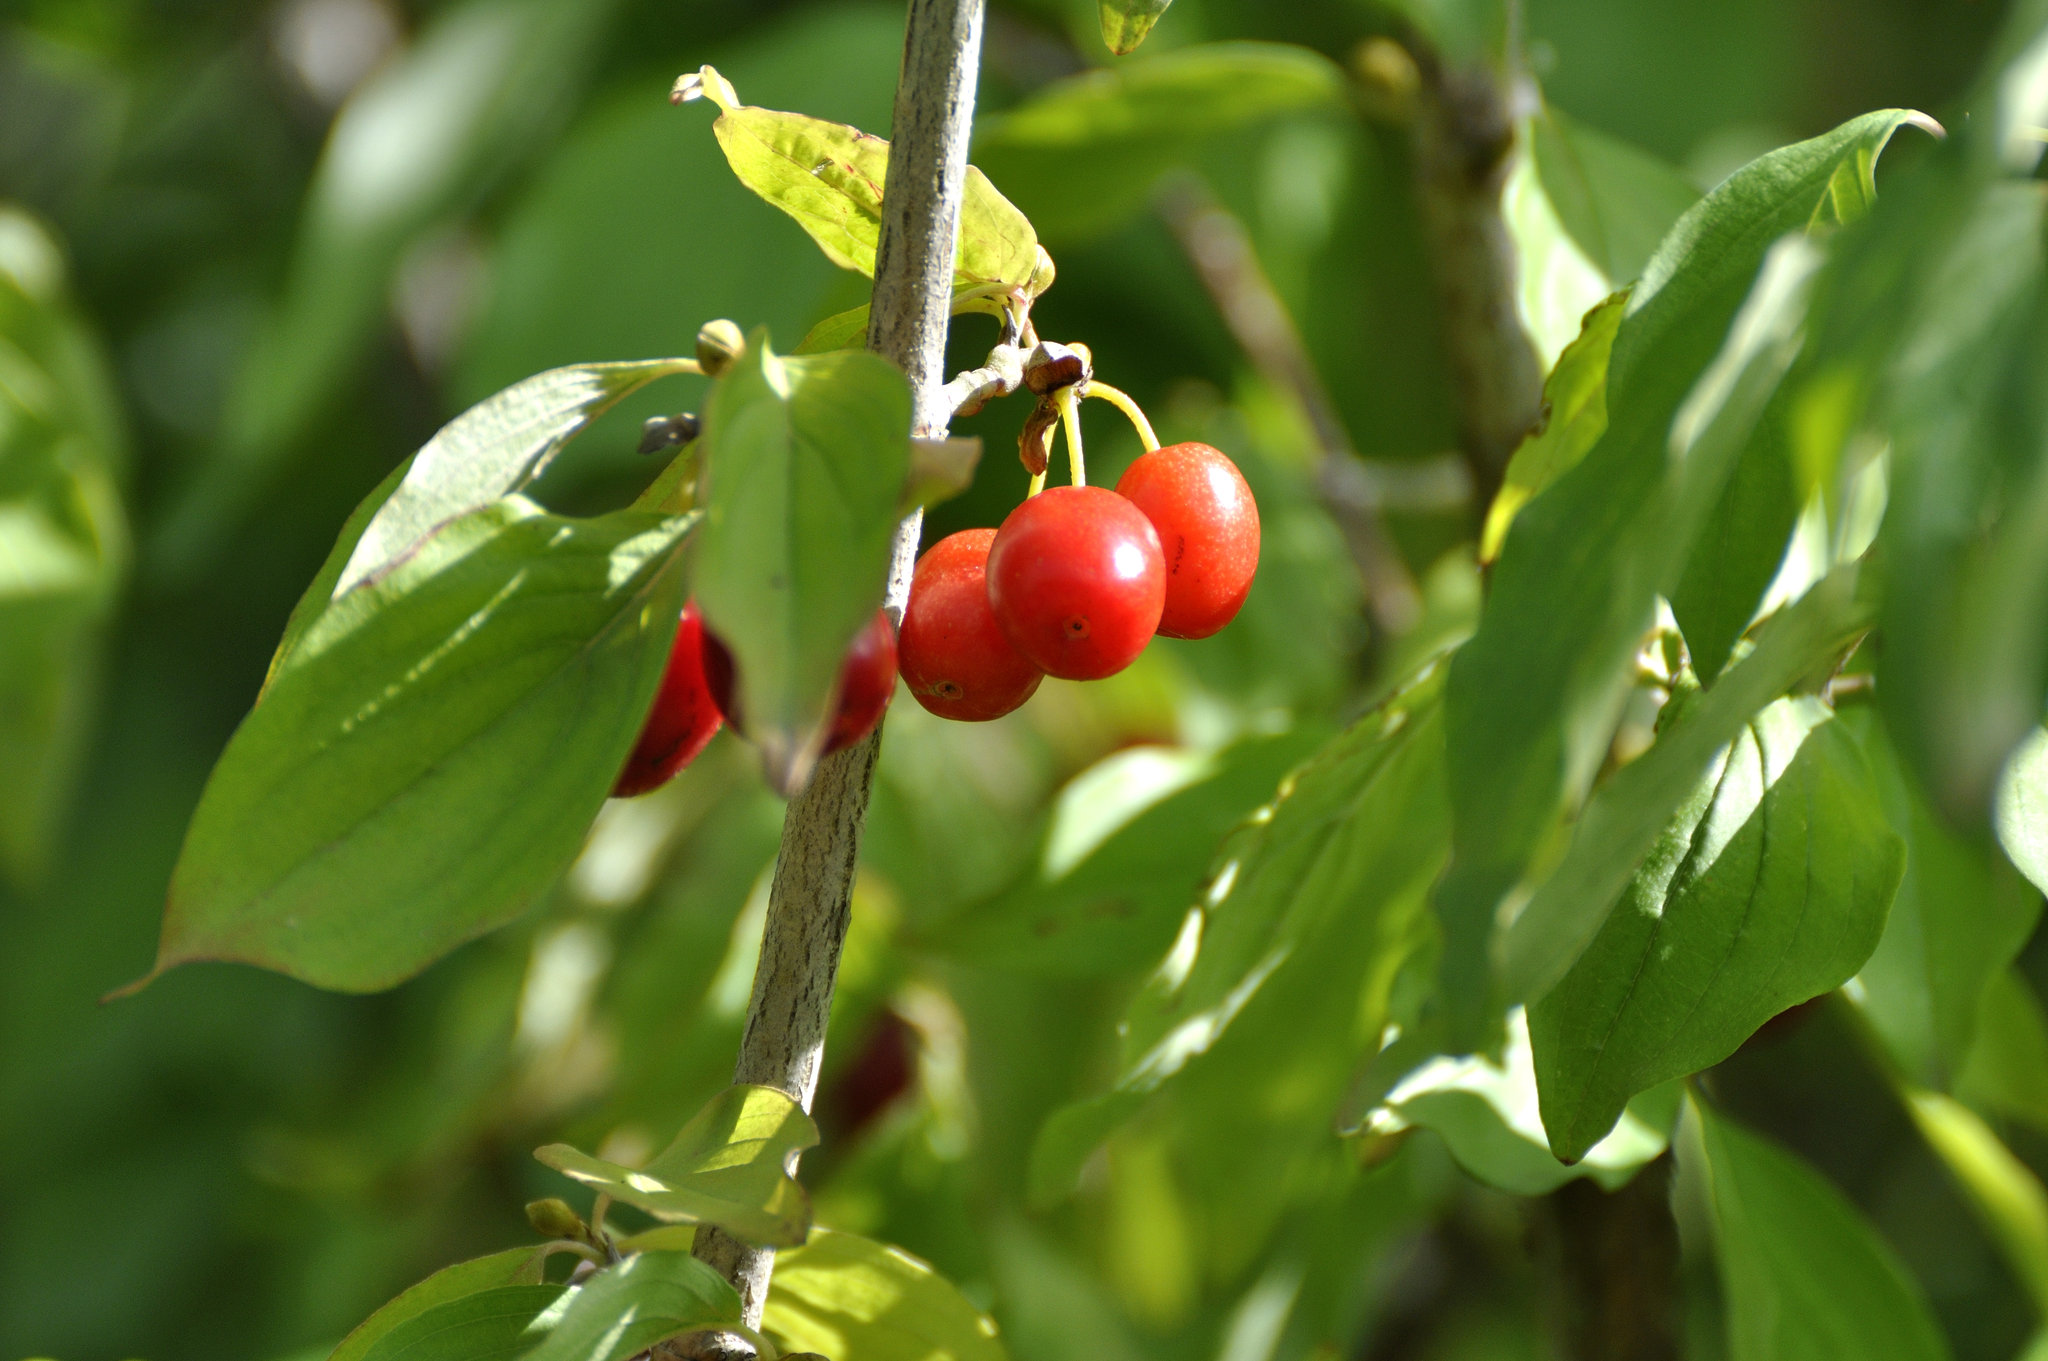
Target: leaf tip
[(704, 83)]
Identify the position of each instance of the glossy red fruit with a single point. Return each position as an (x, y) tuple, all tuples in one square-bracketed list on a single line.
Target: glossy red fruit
[(683, 719), (955, 658), (867, 681), (1208, 527), (1076, 579)]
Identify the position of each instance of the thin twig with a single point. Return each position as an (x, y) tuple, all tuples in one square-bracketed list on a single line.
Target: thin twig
[(1216, 242), (812, 891)]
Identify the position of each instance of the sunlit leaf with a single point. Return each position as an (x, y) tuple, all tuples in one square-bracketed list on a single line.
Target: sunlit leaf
[(631, 1305), (842, 1295), (499, 1323), (1770, 887), (1115, 906), (829, 177), (1617, 201), (806, 460), (2004, 1191), (430, 755), (1315, 908), (727, 1166), (1741, 546), (1807, 1279), (2022, 812), (1487, 1115), (515, 1266), (1126, 22)]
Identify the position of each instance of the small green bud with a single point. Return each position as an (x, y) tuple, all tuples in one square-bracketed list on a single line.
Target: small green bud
[(553, 1218), (719, 346)]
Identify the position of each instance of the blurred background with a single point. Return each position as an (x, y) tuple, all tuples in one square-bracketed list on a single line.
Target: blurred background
[(290, 239)]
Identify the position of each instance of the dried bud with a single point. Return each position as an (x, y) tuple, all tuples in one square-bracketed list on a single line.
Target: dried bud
[(1034, 445), (1053, 366), (719, 346), (553, 1218), (662, 432)]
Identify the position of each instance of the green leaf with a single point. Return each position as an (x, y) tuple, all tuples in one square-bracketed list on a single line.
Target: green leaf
[(63, 540), (849, 1297), (1614, 199), (1084, 153), (1487, 1114), (849, 330), (430, 755), (1574, 418), (416, 143), (514, 1266), (1113, 904), (1965, 538), (2004, 1191), (1960, 917), (1292, 955), (1126, 22), (1807, 1279), (629, 1306), (1769, 888), (806, 459), (2021, 815), (829, 177), (1625, 818), (725, 1167), (1556, 285), (1741, 546), (1531, 712), (490, 451), (496, 1324), (2007, 1069)]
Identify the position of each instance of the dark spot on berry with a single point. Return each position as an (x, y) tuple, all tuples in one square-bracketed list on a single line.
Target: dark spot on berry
[(1077, 627)]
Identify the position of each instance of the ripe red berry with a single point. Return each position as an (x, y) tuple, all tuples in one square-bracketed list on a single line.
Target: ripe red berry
[(867, 681), (956, 660), (1077, 580), (682, 719), (1208, 526)]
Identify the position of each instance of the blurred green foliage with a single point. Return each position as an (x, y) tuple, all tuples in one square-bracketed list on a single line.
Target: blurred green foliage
[(297, 237)]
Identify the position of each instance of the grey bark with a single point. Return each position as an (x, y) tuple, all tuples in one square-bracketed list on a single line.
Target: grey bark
[(812, 891)]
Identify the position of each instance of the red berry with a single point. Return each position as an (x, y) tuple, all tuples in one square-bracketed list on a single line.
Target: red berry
[(682, 719), (1077, 581), (955, 657), (867, 681), (1208, 525)]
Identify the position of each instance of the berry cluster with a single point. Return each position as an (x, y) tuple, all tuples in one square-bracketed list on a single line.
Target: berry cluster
[(1078, 580), (1074, 584)]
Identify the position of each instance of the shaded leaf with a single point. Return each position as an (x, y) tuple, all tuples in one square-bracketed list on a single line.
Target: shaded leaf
[(1115, 906), (430, 755), (1316, 906), (806, 461), (829, 177), (63, 540), (1807, 1279), (416, 143), (2004, 1191), (849, 330), (727, 1166), (1616, 200), (1960, 917), (1632, 810), (1084, 153), (1487, 1115), (515, 1266), (495, 1324), (1770, 887), (2007, 1069), (1740, 547), (847, 1296), (631, 1305)]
